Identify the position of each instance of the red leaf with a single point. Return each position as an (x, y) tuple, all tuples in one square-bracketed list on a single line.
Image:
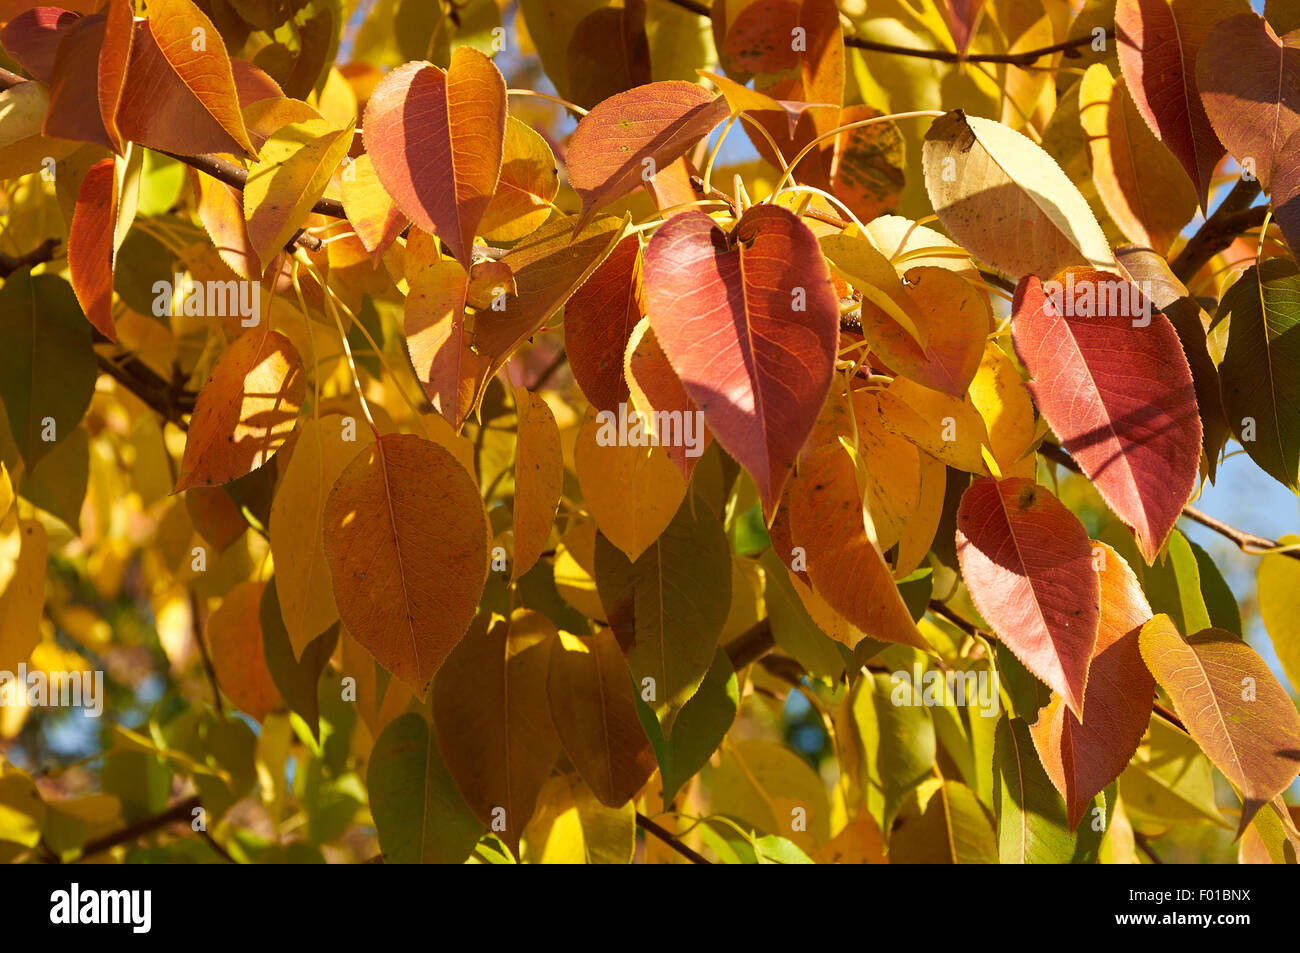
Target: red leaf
[(436, 139), (598, 320), (1082, 758), (1158, 44), (114, 60), (659, 122), (963, 17), (90, 245), (74, 83), (725, 308), (1027, 561), (1250, 85), (177, 98), (1120, 397), (32, 38)]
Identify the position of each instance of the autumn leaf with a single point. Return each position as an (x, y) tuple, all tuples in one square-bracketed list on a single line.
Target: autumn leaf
[(90, 245), (1109, 375), (321, 453), (234, 636), (596, 330), (1082, 757), (460, 115), (627, 138), (593, 707), (751, 336), (403, 512), (293, 168), (1007, 200), (1028, 563), (493, 722), (1232, 706), (246, 410), (1249, 80), (1158, 44), (539, 479)]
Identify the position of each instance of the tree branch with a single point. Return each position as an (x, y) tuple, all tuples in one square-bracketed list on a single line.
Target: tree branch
[(180, 811), (1248, 543), (1235, 215), (650, 827), (1026, 58), (41, 253)]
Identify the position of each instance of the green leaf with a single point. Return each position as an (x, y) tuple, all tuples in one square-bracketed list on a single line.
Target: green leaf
[(1260, 373), (419, 814), (944, 824), (897, 745), (700, 727), (1033, 827), (47, 364), (668, 608), (297, 679)]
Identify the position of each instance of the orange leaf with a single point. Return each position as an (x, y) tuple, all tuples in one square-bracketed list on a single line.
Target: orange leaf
[(245, 411), (406, 542), (436, 139), (90, 245), (234, 634)]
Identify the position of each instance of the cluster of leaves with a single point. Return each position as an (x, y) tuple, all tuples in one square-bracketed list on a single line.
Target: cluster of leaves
[(596, 472)]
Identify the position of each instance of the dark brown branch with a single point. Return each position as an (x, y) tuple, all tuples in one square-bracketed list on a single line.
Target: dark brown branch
[(650, 827), (1246, 542), (41, 253), (180, 811), (751, 645), (1026, 58), (1144, 845), (1236, 214), (170, 400)]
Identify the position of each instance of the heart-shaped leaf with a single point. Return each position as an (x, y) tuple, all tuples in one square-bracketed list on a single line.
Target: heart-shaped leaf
[(1110, 376), (1027, 561), (436, 139), (750, 323)]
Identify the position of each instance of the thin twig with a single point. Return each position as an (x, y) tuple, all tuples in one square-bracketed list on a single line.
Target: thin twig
[(180, 811), (1248, 543), (1026, 58), (1144, 845), (650, 827), (1236, 214)]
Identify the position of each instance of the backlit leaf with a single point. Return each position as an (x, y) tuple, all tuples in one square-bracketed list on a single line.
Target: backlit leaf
[(750, 323), (1111, 379), (406, 543), (436, 139), (1232, 706), (246, 410), (1027, 561), (1007, 200)]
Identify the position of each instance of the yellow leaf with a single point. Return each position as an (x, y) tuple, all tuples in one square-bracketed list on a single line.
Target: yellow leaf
[(293, 168), (23, 598), (539, 479), (632, 492), (320, 455)]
